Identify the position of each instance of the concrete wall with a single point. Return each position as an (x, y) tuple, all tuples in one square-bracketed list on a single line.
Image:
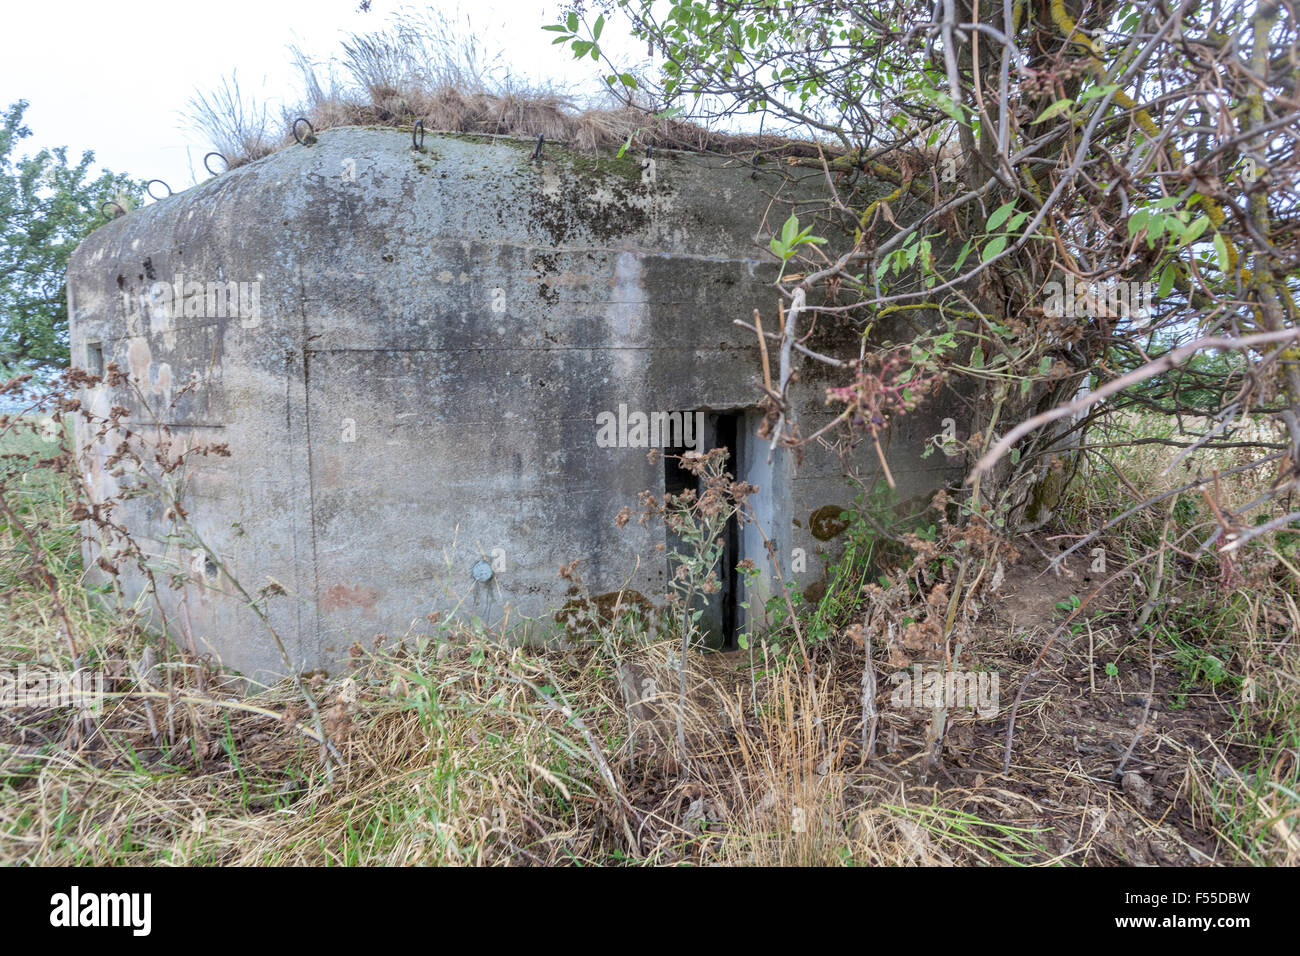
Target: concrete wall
[(411, 381)]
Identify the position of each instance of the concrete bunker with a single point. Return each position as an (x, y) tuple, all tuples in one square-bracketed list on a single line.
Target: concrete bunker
[(408, 352)]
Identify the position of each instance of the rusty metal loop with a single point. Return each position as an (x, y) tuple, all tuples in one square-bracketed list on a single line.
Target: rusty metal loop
[(417, 128), (220, 157), (311, 131), (149, 190), (121, 211)]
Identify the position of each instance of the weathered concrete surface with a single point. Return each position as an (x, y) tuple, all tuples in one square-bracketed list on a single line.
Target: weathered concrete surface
[(411, 381)]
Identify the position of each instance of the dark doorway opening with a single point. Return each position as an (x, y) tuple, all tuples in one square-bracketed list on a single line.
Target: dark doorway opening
[(720, 622)]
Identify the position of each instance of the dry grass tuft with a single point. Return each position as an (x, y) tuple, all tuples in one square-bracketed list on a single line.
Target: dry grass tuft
[(426, 67), (238, 127)]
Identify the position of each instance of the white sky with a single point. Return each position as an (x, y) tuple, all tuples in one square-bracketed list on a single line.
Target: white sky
[(115, 77)]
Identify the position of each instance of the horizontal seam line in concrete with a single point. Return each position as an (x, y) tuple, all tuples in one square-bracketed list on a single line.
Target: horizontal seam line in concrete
[(644, 253), (538, 348)]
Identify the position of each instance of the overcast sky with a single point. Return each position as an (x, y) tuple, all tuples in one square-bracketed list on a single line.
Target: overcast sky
[(115, 77)]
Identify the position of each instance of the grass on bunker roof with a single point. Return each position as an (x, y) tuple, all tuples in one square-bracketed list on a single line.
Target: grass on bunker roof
[(456, 749), (425, 67)]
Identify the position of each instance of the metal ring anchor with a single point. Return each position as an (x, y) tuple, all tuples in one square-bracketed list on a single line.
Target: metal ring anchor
[(121, 211), (417, 128), (311, 131), (149, 190), (220, 157), (537, 153)]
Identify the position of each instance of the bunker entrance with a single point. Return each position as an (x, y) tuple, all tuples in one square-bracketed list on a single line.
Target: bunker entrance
[(722, 616)]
